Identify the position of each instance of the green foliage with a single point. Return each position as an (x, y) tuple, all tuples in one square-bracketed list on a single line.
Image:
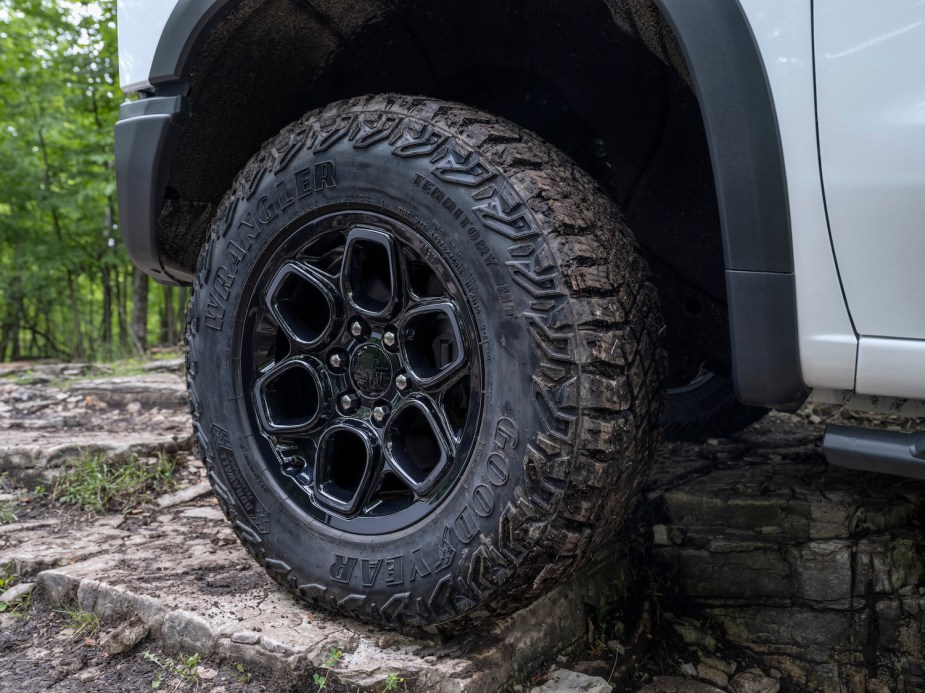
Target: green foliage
[(7, 507), (8, 512), (393, 681), (8, 578), (331, 661), (96, 484), (65, 278), (241, 675), (185, 668)]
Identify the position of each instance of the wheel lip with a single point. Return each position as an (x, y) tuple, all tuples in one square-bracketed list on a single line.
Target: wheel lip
[(291, 239)]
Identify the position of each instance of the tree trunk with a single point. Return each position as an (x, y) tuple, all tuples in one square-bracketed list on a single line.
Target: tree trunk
[(140, 310), (122, 310), (71, 292), (79, 352), (12, 335), (106, 277), (182, 296), (167, 320)]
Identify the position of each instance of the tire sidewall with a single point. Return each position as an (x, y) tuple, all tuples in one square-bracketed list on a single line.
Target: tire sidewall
[(462, 552)]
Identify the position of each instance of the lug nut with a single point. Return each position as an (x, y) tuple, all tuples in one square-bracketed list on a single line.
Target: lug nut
[(379, 414), (389, 339), (356, 329), (401, 382), (336, 360), (349, 403)]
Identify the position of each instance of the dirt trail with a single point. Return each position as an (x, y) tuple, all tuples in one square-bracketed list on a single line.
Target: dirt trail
[(751, 566)]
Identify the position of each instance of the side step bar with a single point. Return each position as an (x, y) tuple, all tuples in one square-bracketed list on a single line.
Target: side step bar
[(889, 452)]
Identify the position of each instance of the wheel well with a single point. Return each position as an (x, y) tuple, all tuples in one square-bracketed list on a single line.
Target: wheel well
[(603, 80)]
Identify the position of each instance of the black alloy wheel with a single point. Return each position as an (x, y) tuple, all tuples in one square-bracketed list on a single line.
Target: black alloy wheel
[(365, 371)]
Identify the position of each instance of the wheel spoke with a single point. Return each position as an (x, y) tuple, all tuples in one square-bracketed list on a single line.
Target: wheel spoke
[(291, 396), (432, 342), (454, 398), (420, 280), (345, 466), (418, 451), (305, 304), (370, 275)]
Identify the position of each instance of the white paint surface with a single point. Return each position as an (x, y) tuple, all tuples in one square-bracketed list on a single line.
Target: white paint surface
[(870, 66), (828, 345), (141, 23)]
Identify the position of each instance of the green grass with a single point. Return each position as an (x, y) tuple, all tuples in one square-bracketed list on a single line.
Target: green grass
[(8, 507), (8, 512), (84, 623), (185, 669), (8, 578), (96, 484)]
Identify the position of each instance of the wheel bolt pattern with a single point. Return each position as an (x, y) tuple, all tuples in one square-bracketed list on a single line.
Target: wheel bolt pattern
[(370, 361)]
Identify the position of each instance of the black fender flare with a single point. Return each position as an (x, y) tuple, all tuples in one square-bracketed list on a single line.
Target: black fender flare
[(187, 28), (751, 189)]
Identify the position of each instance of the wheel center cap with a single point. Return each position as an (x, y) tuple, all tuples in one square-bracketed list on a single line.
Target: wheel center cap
[(371, 370)]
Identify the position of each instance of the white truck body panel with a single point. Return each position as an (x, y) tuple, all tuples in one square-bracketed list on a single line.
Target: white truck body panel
[(141, 23), (828, 344), (870, 67), (870, 72), (893, 367)]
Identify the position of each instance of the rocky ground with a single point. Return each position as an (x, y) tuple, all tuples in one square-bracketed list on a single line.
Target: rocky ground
[(751, 567)]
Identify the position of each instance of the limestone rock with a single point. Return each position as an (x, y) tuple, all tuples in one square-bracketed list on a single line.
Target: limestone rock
[(17, 592), (676, 684), (713, 675), (566, 681), (184, 495), (754, 681), (125, 636)]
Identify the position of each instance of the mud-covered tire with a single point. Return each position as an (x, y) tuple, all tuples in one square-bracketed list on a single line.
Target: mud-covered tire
[(566, 327), (705, 408)]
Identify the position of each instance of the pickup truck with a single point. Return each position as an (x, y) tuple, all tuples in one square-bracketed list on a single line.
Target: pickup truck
[(450, 260)]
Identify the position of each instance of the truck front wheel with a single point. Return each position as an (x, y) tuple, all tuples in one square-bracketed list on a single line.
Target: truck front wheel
[(424, 362)]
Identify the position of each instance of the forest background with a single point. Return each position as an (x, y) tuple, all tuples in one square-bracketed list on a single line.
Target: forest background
[(67, 287)]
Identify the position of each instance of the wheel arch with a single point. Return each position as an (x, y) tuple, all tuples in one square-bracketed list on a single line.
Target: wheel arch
[(753, 272)]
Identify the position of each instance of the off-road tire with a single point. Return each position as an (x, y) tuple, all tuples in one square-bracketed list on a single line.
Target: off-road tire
[(707, 408), (569, 341)]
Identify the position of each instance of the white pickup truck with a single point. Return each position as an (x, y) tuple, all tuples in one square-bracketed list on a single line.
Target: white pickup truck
[(448, 258)]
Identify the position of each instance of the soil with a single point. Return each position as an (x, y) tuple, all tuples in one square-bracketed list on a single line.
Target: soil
[(750, 561)]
